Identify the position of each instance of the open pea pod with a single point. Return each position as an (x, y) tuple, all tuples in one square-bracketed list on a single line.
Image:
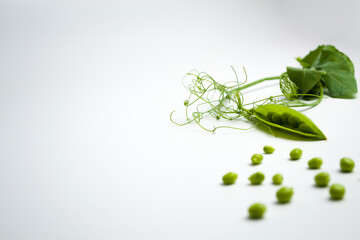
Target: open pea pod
[(287, 119)]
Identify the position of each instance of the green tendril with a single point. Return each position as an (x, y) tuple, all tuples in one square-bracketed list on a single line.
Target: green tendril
[(207, 97)]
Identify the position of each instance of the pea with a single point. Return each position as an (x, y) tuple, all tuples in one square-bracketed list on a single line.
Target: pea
[(229, 178), (347, 164), (276, 118), (315, 163), (337, 191), (277, 179), (268, 149), (305, 128), (257, 159), (284, 194), (285, 117), (295, 154), (257, 210), (257, 178), (269, 115), (322, 179), (294, 121)]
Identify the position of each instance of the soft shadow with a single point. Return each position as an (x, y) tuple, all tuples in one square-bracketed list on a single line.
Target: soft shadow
[(248, 218), (226, 185), (313, 169), (254, 165), (280, 203), (340, 171), (254, 185), (320, 187), (335, 200)]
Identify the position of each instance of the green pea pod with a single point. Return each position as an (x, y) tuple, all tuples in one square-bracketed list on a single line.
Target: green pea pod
[(287, 119)]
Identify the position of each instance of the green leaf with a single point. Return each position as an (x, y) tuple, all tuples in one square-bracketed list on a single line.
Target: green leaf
[(309, 59), (305, 79), (339, 78), (312, 59)]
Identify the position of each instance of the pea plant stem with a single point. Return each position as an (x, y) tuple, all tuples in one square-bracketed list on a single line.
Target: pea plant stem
[(256, 82)]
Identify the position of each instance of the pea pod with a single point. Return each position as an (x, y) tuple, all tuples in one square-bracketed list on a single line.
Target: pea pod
[(287, 119)]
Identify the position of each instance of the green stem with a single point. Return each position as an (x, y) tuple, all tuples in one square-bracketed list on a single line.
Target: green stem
[(302, 104), (256, 82)]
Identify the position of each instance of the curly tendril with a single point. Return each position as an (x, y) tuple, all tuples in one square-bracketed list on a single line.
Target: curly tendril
[(208, 97)]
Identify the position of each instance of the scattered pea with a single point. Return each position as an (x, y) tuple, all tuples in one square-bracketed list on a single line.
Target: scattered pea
[(295, 154), (229, 178), (284, 194), (322, 179), (315, 163), (257, 159), (277, 179), (347, 164), (337, 191), (257, 178), (268, 149), (257, 210)]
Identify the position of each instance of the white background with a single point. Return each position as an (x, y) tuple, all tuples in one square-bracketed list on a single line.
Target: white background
[(87, 150)]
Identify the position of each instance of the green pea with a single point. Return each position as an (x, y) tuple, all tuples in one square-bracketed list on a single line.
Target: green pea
[(257, 178), (347, 164), (294, 121), (229, 178), (305, 128), (277, 179), (269, 115), (257, 159), (284, 194), (295, 154), (257, 210), (276, 118), (268, 149), (315, 163), (285, 117), (337, 191), (322, 179)]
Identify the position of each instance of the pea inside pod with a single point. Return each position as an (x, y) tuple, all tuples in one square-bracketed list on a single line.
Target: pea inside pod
[(287, 119)]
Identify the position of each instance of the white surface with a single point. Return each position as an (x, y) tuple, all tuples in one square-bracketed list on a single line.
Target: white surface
[(87, 150)]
